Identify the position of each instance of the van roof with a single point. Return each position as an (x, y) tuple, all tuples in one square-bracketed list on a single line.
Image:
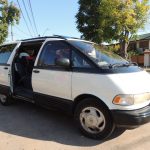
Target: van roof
[(57, 37), (46, 37)]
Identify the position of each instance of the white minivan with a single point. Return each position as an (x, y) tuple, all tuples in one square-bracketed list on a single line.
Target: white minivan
[(102, 90)]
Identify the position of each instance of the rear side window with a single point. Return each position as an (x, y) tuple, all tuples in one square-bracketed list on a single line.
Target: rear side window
[(5, 52)]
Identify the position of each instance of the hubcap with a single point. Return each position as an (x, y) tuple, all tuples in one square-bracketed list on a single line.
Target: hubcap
[(3, 98), (92, 120)]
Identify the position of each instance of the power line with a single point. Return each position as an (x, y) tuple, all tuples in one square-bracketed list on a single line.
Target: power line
[(21, 31), (45, 31), (15, 35), (33, 16), (28, 16), (24, 18)]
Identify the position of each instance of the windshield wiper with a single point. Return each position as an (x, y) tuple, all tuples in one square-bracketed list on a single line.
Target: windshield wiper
[(132, 64), (122, 65)]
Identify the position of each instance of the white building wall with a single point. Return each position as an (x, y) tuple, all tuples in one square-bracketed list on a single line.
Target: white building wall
[(149, 45), (137, 44)]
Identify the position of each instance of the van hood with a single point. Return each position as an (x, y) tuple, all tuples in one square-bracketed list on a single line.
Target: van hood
[(132, 83)]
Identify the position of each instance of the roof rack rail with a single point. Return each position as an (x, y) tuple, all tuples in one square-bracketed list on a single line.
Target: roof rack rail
[(59, 36), (45, 37), (65, 37), (37, 38)]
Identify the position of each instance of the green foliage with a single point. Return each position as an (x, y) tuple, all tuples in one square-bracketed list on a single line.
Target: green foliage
[(134, 53), (9, 15), (123, 18), (114, 48), (88, 20), (109, 20)]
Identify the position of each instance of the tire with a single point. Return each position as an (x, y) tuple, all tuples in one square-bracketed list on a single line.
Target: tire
[(94, 119), (6, 100)]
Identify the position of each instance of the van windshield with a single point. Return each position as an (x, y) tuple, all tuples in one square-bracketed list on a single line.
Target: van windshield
[(98, 54)]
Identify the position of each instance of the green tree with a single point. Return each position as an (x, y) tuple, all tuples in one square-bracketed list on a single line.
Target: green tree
[(112, 20), (9, 15), (88, 20)]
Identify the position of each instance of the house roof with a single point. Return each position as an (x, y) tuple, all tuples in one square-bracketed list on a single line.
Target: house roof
[(142, 37)]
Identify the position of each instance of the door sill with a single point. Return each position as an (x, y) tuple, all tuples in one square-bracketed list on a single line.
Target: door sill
[(24, 94)]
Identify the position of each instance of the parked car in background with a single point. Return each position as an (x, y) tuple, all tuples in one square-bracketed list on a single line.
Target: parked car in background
[(100, 89)]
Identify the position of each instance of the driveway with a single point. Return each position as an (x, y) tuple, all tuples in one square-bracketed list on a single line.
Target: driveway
[(24, 126)]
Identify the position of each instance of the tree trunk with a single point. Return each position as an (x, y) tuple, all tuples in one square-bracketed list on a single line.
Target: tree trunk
[(123, 49), (124, 44)]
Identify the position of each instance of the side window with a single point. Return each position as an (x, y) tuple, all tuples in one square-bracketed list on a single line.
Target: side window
[(5, 52), (52, 51), (78, 61)]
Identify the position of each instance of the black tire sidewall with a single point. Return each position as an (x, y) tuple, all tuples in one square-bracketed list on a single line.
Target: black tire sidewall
[(92, 102), (8, 100)]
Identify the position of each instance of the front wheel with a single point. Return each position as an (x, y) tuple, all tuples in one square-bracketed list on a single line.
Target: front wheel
[(94, 119)]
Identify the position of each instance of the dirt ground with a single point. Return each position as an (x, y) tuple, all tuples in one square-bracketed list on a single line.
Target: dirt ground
[(24, 126)]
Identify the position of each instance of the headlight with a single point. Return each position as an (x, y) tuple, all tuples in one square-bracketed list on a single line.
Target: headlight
[(128, 100)]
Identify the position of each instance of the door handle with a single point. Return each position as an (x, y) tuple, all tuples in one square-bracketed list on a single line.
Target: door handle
[(6, 68), (36, 71)]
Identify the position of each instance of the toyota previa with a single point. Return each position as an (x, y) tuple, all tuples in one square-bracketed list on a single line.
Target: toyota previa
[(100, 89)]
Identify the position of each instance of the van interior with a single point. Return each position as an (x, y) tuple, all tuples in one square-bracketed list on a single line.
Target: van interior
[(22, 68)]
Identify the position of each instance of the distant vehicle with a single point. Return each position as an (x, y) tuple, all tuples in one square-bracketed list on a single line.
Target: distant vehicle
[(102, 90)]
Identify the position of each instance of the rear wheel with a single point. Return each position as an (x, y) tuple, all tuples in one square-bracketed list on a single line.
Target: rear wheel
[(6, 99), (94, 119)]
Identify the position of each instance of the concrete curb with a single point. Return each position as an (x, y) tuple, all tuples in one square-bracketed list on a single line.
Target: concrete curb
[(147, 69)]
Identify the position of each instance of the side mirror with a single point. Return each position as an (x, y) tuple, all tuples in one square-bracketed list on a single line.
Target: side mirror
[(63, 62)]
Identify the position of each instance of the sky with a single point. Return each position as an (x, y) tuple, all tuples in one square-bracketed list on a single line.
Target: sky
[(52, 17)]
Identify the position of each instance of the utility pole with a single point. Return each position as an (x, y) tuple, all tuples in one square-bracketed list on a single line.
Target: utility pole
[(12, 35)]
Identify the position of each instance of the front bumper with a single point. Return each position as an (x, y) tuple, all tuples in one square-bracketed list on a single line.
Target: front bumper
[(131, 119)]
